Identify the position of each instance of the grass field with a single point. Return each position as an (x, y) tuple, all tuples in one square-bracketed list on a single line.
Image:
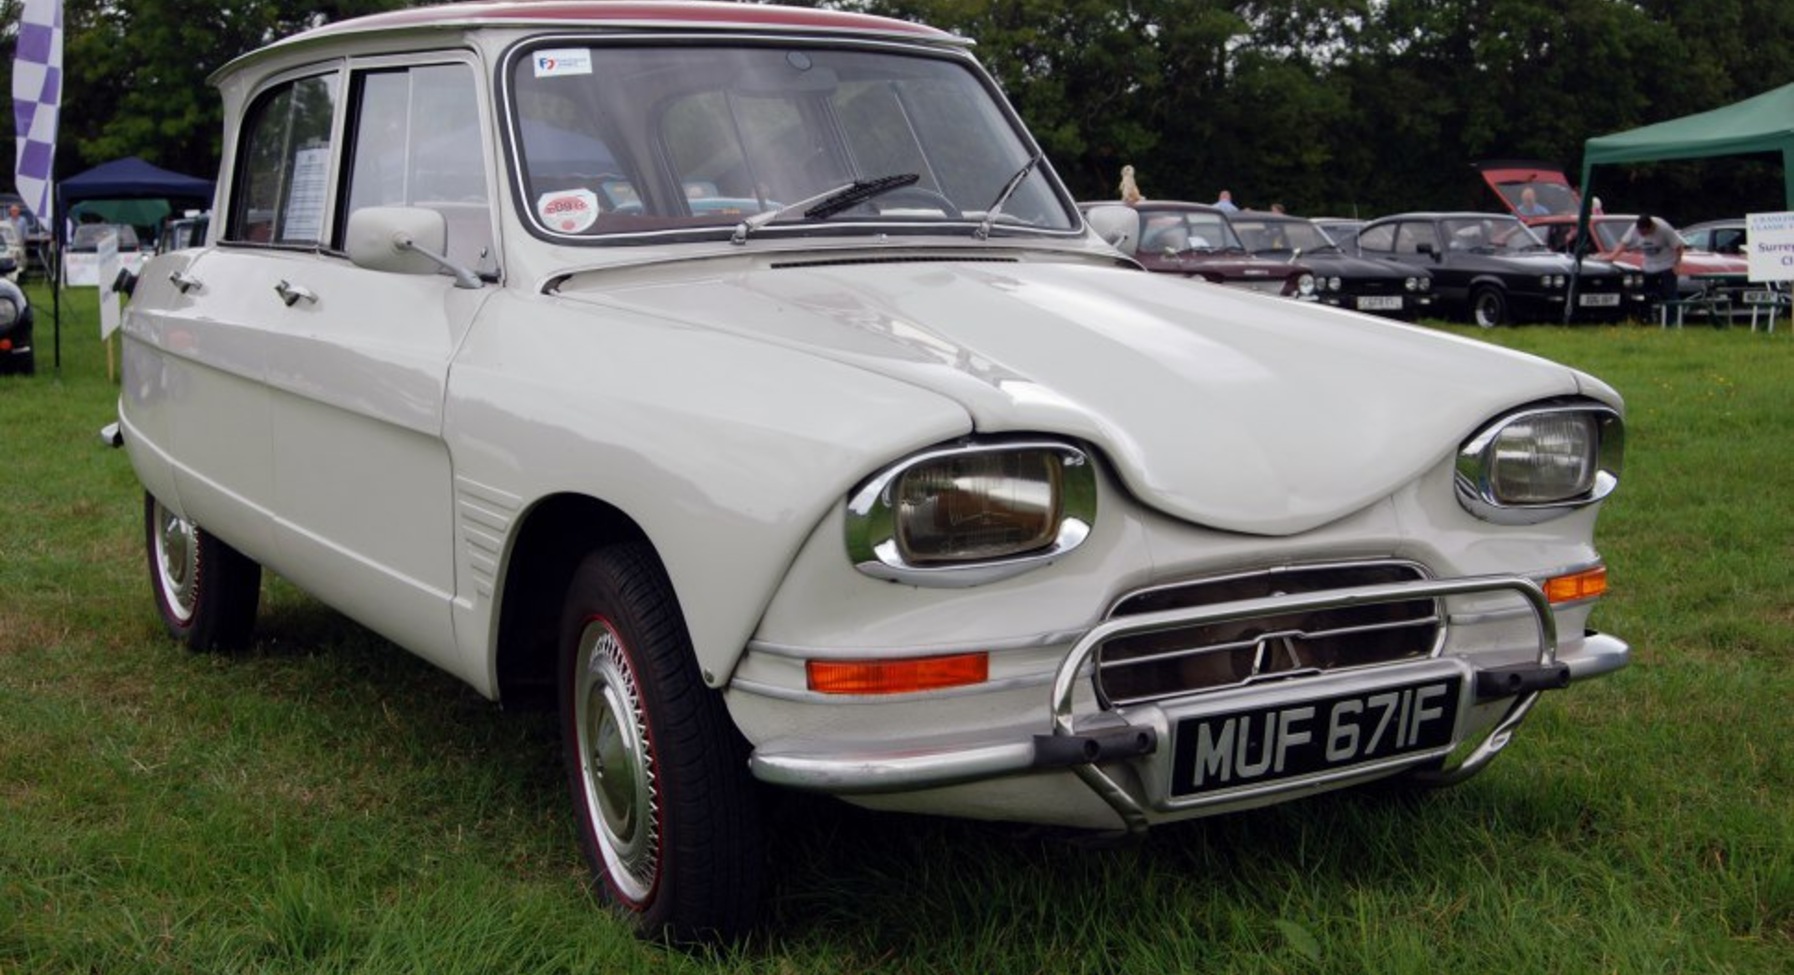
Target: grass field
[(326, 803)]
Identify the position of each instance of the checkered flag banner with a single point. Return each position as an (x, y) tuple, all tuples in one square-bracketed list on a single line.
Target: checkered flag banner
[(37, 101)]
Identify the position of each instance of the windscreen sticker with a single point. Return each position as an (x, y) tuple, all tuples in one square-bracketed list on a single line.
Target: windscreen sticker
[(568, 211), (563, 61)]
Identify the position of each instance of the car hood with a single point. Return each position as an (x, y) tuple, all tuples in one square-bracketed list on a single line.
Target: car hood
[(1237, 411)]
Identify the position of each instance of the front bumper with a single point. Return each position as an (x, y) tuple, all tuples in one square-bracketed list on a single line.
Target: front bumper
[(1123, 754)]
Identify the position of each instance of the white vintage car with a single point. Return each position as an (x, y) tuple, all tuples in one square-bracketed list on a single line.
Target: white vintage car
[(746, 374)]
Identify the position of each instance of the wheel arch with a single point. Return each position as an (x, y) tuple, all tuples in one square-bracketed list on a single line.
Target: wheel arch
[(555, 535)]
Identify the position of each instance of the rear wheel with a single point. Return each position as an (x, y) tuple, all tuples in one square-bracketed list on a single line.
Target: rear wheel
[(665, 806), (206, 591), (1488, 306)]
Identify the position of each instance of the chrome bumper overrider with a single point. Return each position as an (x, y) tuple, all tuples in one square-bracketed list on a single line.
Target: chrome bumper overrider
[(1136, 733)]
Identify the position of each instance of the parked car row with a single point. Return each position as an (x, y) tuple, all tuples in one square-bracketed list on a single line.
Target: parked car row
[(1486, 268)]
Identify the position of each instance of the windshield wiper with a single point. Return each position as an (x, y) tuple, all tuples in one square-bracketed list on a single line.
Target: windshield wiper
[(827, 203), (996, 207)]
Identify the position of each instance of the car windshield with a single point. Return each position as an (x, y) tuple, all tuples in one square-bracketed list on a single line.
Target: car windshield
[(617, 143), (1265, 234), (1178, 231), (1489, 234), (87, 236)]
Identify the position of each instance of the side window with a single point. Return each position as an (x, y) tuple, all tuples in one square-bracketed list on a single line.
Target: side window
[(284, 164), (1412, 234), (415, 140), (1380, 239)]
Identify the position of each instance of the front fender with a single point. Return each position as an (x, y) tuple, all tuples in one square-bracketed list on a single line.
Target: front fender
[(726, 451)]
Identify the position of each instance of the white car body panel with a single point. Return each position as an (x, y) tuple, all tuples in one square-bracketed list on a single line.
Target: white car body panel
[(723, 396)]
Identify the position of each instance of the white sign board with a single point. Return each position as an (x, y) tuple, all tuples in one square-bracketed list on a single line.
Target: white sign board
[(1769, 246), (107, 253)]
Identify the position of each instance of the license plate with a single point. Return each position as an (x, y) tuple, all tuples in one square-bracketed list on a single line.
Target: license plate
[(1380, 303), (1254, 746), (1759, 297), (1598, 301)]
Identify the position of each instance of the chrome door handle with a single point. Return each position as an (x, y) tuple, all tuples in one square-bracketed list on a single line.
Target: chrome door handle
[(182, 280), (291, 293)]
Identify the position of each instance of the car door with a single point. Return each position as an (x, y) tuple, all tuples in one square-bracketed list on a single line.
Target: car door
[(357, 359)]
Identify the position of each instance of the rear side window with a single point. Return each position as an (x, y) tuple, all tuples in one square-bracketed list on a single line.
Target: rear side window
[(283, 172)]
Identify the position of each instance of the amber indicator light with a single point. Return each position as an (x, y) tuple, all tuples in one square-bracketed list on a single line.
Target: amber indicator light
[(1581, 585), (897, 676)]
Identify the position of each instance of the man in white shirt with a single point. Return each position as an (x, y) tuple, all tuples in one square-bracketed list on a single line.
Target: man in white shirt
[(1662, 250)]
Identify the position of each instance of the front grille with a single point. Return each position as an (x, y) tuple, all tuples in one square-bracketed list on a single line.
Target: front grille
[(1133, 668)]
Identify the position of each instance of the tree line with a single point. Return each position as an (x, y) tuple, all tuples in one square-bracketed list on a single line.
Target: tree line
[(1341, 107)]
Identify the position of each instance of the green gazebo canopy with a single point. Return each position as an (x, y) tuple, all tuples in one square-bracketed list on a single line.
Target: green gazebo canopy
[(1763, 123)]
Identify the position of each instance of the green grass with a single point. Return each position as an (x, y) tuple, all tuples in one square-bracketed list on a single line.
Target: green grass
[(326, 803)]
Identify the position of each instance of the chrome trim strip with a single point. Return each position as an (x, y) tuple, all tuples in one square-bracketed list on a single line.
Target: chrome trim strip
[(916, 767)]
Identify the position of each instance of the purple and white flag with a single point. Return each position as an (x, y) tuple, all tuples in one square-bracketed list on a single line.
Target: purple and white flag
[(37, 101)]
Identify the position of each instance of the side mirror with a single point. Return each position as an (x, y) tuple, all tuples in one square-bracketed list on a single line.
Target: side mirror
[(403, 240), (1427, 249), (1117, 224)]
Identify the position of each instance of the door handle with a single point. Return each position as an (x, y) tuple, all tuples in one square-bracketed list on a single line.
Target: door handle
[(292, 293), (184, 281)]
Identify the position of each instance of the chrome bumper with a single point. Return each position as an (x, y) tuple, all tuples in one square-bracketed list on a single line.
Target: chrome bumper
[(1083, 746)]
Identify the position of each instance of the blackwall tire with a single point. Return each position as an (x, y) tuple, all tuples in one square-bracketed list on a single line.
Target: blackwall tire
[(206, 592), (1488, 307), (666, 810)]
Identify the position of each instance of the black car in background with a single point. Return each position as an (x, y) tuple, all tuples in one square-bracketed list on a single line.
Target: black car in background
[(1340, 279), (1491, 269)]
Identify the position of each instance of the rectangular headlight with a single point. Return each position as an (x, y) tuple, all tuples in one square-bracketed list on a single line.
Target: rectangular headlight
[(1543, 458), (970, 507), (1539, 463), (972, 513)]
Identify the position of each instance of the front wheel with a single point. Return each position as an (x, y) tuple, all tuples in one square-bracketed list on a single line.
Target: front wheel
[(1488, 307), (665, 806), (205, 590)]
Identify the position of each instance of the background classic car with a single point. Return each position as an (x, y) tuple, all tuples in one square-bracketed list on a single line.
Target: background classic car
[(1340, 279), (1492, 270), (1196, 241), (905, 488)]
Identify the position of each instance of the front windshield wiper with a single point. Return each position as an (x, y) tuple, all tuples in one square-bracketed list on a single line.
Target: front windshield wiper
[(827, 203), (996, 207)]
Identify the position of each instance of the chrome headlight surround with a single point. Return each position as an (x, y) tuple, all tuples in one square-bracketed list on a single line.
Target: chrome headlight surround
[(1305, 285), (1029, 502), (1541, 463)]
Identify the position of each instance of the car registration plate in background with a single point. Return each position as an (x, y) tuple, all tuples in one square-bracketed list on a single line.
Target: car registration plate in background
[(1380, 303), (1598, 301), (1253, 746), (1759, 297)]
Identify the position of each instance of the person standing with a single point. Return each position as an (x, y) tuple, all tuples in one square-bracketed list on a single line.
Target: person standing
[(1225, 202), (1661, 248)]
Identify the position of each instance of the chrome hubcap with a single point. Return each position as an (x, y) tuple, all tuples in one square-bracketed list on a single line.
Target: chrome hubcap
[(616, 765), (177, 562)]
